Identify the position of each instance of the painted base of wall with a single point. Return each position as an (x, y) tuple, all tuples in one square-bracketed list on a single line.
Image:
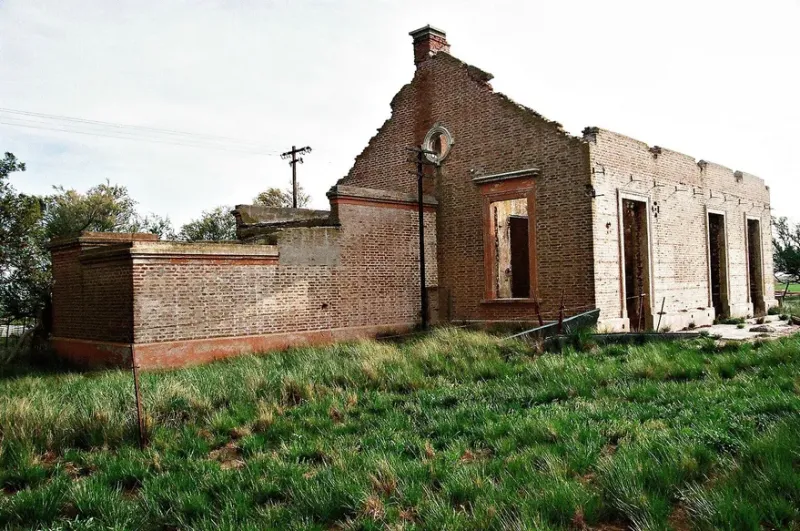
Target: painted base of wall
[(741, 309), (616, 324), (87, 353), (686, 319), (184, 353), (673, 321)]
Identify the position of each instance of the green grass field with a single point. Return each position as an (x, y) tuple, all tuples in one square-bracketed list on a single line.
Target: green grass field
[(793, 288), (456, 431)]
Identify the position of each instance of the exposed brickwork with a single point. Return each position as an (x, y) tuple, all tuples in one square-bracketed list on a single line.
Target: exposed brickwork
[(492, 135), (680, 192), (318, 276), (92, 298), (360, 276), (369, 277)]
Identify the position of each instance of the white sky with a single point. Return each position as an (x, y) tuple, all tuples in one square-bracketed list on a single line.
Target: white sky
[(718, 80)]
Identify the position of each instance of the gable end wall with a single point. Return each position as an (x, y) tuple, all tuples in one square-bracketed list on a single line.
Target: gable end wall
[(492, 134)]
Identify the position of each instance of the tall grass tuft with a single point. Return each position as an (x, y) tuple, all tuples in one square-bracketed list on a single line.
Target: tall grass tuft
[(455, 429)]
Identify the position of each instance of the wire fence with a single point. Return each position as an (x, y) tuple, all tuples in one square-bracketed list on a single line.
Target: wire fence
[(10, 330)]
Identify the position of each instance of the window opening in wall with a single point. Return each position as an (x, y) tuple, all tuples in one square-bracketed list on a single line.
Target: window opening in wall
[(439, 141), (637, 267), (511, 250), (754, 265), (718, 263)]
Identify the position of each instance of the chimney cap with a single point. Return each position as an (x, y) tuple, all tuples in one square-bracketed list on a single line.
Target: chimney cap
[(426, 31)]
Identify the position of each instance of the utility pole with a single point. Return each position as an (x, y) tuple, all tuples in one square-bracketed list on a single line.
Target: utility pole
[(420, 161), (293, 163)]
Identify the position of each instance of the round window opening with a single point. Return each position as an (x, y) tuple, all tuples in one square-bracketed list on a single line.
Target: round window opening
[(438, 140)]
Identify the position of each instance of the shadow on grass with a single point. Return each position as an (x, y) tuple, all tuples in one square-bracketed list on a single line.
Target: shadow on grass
[(25, 366)]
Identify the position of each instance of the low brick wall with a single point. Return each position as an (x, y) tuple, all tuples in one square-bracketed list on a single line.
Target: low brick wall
[(170, 304)]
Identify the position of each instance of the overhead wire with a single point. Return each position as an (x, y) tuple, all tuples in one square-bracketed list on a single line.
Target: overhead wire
[(17, 118)]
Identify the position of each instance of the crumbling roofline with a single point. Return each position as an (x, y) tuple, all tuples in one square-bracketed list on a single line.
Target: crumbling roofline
[(591, 134)]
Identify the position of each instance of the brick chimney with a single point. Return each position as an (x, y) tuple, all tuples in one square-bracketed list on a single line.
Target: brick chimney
[(428, 41)]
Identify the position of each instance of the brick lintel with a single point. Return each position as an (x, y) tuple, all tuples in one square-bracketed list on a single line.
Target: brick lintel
[(495, 177)]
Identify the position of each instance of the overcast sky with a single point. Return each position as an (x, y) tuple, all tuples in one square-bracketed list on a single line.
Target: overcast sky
[(718, 80)]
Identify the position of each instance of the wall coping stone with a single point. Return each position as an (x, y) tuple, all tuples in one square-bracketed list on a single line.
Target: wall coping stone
[(102, 238), (341, 191), (258, 215), (164, 249)]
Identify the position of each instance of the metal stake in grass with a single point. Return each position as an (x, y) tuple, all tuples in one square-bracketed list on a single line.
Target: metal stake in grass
[(538, 309), (139, 408), (663, 300)]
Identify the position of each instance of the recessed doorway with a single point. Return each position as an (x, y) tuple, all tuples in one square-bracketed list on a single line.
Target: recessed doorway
[(755, 266), (718, 263), (637, 263)]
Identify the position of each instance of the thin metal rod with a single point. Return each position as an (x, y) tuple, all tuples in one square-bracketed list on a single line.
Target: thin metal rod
[(663, 300), (421, 209), (294, 177), (139, 408), (538, 310)]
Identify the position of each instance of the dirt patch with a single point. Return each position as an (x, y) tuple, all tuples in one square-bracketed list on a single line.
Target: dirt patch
[(679, 519), (240, 432), (469, 456), (48, 459), (9, 490), (229, 456), (77, 472)]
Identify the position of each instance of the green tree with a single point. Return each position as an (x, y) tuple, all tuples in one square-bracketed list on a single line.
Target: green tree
[(154, 224), (275, 197), (213, 225), (24, 265), (104, 208), (28, 223), (786, 242)]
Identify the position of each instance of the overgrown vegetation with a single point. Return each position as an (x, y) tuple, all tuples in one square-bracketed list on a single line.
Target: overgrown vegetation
[(730, 320), (786, 255), (29, 222), (455, 430)]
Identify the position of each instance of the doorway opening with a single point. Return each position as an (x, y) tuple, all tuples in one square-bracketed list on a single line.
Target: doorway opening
[(754, 266), (718, 263), (637, 263), (512, 255)]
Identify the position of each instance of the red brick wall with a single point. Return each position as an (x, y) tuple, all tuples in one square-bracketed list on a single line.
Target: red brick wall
[(91, 299), (364, 272), (492, 135)]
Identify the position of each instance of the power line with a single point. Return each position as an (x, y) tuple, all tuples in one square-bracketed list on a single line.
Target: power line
[(129, 132), (57, 117), (142, 139)]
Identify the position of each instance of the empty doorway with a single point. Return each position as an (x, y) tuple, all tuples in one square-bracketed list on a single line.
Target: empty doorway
[(520, 260), (718, 263), (512, 275), (754, 266), (637, 263)]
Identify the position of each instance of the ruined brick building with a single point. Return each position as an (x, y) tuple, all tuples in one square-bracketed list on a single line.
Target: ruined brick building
[(518, 214)]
